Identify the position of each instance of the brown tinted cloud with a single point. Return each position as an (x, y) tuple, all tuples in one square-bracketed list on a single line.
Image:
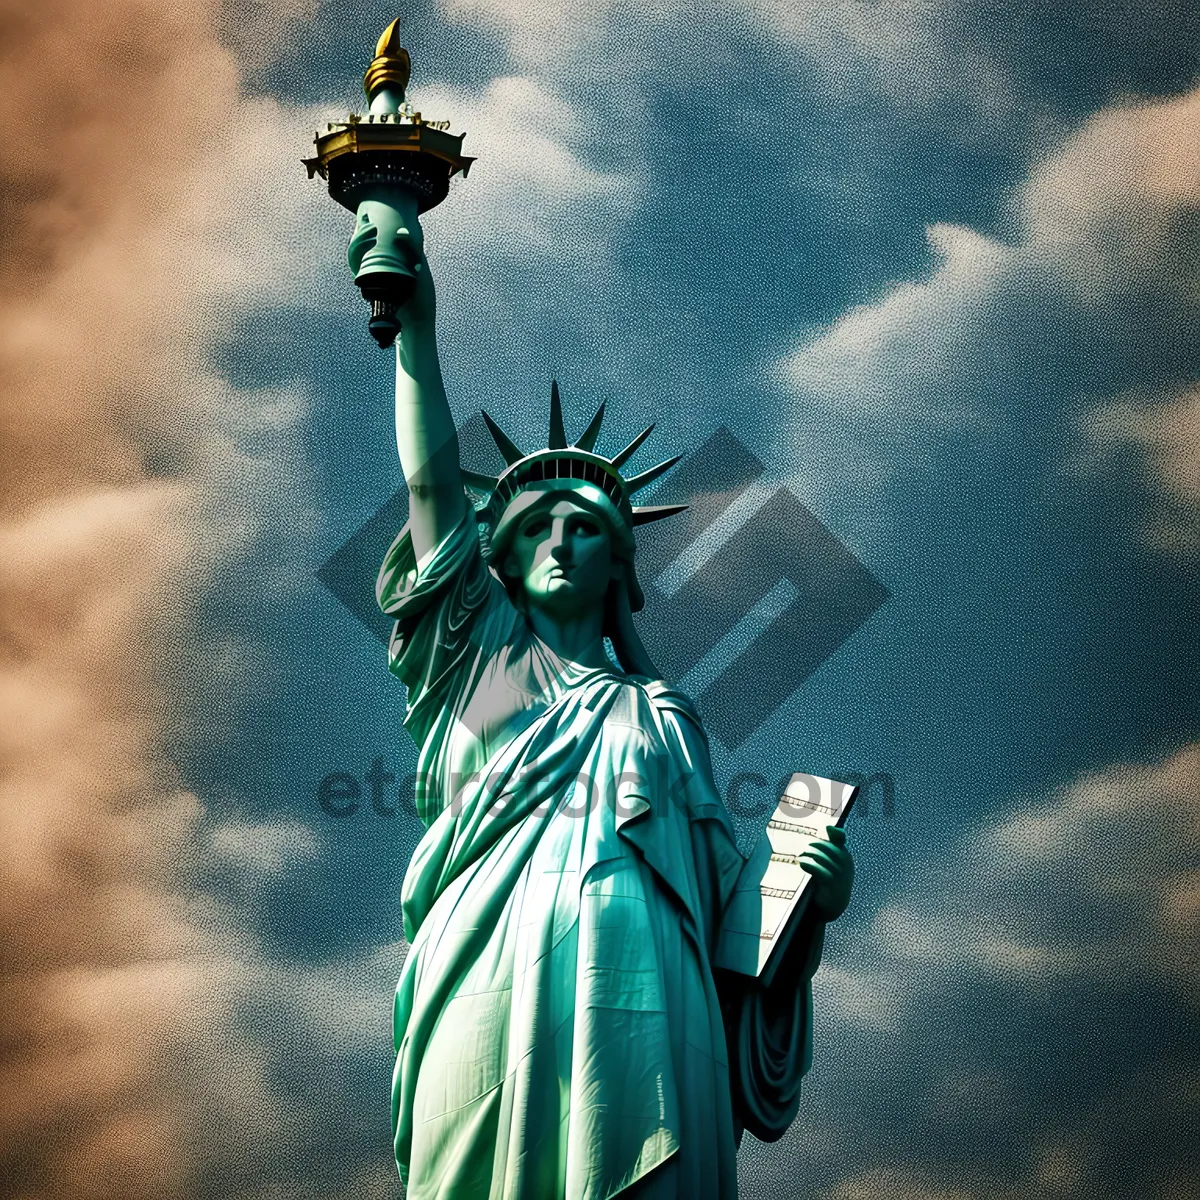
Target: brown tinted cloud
[(123, 1071)]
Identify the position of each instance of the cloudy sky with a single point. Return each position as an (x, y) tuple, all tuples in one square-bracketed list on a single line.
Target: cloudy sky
[(933, 263)]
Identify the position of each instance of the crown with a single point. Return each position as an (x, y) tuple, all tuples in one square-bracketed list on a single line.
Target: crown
[(574, 466)]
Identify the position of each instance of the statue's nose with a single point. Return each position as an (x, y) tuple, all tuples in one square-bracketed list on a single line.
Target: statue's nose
[(560, 544)]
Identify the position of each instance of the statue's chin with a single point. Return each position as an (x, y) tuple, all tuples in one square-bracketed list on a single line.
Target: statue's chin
[(562, 598)]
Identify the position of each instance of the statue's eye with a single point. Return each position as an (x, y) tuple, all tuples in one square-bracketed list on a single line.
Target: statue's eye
[(584, 528), (536, 527)]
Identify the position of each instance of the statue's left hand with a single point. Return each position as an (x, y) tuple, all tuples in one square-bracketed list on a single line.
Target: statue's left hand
[(831, 865)]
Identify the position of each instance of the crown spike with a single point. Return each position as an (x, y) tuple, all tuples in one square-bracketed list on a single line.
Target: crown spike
[(621, 459), (558, 435), (507, 447), (643, 514), (587, 439), (637, 482)]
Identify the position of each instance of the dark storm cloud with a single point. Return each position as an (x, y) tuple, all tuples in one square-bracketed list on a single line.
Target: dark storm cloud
[(132, 477)]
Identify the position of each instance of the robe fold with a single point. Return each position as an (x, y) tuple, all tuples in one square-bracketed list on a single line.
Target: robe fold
[(559, 1031)]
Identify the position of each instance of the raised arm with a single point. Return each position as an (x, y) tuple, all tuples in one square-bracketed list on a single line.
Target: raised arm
[(425, 434)]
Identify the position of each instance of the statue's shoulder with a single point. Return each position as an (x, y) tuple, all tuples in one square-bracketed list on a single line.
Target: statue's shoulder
[(668, 698), (653, 699), (672, 708), (683, 734)]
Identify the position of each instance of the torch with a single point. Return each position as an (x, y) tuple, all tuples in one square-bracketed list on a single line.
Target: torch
[(387, 168)]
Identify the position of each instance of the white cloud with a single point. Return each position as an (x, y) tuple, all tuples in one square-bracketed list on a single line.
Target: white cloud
[(882, 1183), (264, 849), (1105, 208), (910, 49), (914, 51), (346, 1004), (1168, 431), (894, 355), (935, 1039), (273, 237), (538, 32), (1094, 216), (1165, 431), (1102, 222), (1090, 885), (531, 190)]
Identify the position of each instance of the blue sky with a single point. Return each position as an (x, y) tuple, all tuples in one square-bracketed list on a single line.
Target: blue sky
[(936, 266)]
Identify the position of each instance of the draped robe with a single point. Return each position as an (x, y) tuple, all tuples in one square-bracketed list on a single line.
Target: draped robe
[(559, 1030)]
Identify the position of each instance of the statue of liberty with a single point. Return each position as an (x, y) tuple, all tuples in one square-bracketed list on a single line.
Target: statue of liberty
[(561, 1032)]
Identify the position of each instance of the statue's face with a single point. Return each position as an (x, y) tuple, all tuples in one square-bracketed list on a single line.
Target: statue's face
[(562, 554)]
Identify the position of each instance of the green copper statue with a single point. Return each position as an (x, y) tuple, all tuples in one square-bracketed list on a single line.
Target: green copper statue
[(560, 1030)]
